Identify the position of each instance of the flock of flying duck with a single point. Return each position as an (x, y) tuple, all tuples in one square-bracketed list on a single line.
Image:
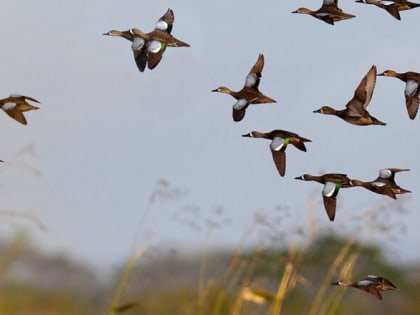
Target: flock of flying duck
[(354, 113), (148, 49), (329, 12)]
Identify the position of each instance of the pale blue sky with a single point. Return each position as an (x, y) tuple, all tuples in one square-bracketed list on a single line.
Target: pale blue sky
[(106, 133)]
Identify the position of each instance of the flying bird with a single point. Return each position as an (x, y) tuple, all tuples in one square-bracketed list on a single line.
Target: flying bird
[(333, 182), (250, 94), (329, 12), (376, 187), (148, 48), (15, 105), (371, 284), (393, 7), (412, 89), (387, 176), (279, 141), (355, 112)]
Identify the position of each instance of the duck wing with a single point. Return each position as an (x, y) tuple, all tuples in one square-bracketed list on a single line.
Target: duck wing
[(154, 59), (364, 91), (17, 115), (238, 114), (330, 206), (140, 56), (139, 47), (412, 93), (330, 2), (391, 9), (329, 196), (279, 158), (23, 98), (166, 22), (253, 78), (299, 142), (371, 289), (155, 50)]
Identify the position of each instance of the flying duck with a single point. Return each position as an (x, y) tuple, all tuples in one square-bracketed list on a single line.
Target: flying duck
[(329, 12), (250, 94), (332, 184), (393, 7), (279, 141), (371, 284), (412, 90), (148, 48), (15, 105), (355, 112)]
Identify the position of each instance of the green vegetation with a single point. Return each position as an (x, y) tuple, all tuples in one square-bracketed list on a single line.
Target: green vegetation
[(259, 281), (284, 273)]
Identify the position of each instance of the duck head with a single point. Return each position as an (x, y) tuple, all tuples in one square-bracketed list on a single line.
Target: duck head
[(325, 110), (302, 11), (125, 34), (222, 89), (250, 134), (388, 73)]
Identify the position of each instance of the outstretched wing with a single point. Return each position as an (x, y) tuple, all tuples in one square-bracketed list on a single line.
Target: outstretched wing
[(166, 22), (17, 115), (412, 94), (253, 78), (279, 158), (364, 91)]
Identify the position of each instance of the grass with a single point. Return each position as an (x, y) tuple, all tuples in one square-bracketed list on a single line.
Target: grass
[(274, 277), (242, 286)]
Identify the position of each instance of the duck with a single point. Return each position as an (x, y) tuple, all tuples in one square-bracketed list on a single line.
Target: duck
[(376, 187), (372, 284), (355, 112), (412, 90), (279, 141), (332, 184), (329, 12), (148, 48), (250, 94), (393, 7), (387, 176), (15, 105)]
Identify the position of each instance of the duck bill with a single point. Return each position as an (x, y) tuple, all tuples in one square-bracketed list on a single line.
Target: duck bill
[(317, 111)]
